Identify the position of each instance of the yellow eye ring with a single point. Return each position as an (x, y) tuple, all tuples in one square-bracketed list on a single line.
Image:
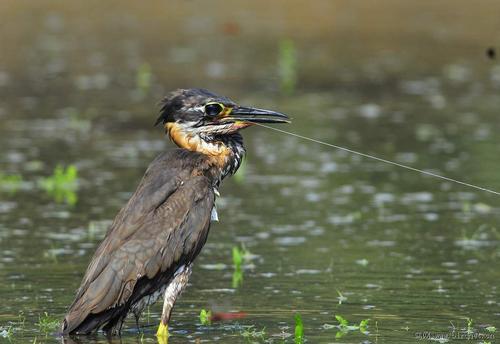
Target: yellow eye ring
[(213, 109)]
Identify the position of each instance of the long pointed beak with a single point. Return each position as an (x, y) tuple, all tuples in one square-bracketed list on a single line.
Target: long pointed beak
[(254, 115)]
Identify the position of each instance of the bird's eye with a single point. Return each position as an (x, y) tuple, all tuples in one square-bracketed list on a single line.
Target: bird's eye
[(213, 109)]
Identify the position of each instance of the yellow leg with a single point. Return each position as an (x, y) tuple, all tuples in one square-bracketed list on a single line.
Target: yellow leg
[(162, 333)]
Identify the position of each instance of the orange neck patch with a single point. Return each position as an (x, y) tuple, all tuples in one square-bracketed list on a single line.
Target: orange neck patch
[(217, 151)]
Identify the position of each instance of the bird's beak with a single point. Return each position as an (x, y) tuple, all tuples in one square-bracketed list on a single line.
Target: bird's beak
[(254, 115)]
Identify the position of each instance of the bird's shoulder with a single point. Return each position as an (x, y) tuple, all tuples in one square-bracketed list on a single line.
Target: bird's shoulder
[(156, 198)]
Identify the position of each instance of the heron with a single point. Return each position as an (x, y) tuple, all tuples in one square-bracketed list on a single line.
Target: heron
[(149, 249)]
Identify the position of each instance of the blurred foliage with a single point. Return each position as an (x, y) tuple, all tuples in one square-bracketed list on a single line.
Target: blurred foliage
[(10, 183), (238, 271), (62, 185), (205, 317), (47, 323)]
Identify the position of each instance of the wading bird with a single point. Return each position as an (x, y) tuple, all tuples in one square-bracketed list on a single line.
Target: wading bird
[(149, 249)]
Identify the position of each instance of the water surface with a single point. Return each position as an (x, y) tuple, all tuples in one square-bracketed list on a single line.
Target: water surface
[(329, 233)]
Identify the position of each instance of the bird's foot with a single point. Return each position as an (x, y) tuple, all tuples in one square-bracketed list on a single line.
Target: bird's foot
[(162, 331)]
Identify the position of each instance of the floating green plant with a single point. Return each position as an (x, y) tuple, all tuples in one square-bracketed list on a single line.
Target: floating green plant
[(47, 323), (299, 329), (344, 326), (470, 326), (239, 256), (62, 184), (287, 66), (205, 317), (252, 333), (341, 297), (491, 329), (237, 278), (10, 182), (7, 332)]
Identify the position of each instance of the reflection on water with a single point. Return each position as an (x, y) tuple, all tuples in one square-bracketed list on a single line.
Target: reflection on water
[(332, 236)]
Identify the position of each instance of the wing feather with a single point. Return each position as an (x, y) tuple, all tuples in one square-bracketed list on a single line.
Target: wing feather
[(148, 237)]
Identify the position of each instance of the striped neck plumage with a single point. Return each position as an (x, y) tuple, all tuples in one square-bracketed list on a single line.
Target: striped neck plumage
[(225, 151)]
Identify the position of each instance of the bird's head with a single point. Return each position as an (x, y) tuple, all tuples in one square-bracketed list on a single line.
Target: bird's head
[(201, 121), (199, 112)]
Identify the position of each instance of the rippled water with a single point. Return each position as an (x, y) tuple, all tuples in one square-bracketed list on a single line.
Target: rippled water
[(329, 233)]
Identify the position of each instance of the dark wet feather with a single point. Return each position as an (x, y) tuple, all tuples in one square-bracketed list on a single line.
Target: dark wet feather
[(163, 226)]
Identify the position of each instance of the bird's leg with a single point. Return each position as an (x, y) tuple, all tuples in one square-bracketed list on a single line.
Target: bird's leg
[(173, 290)]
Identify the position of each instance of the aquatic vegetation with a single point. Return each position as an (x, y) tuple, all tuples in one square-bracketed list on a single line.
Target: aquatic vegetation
[(341, 297), (205, 317), (21, 319), (252, 333), (344, 326), (237, 278), (6, 332), (287, 66), (10, 182), (239, 256), (299, 329), (62, 184), (491, 329), (470, 326), (47, 323)]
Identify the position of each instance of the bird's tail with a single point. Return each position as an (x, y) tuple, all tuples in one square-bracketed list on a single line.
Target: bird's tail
[(77, 323)]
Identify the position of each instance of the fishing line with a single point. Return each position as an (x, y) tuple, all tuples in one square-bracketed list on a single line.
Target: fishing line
[(383, 160)]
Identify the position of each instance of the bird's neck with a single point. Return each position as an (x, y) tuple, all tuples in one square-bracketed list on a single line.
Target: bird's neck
[(225, 152)]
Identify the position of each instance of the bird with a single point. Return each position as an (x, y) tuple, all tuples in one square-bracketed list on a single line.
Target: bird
[(149, 249)]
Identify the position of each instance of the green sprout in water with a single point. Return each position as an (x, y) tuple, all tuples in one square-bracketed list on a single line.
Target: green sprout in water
[(238, 271), (239, 256), (251, 333), (470, 326), (205, 317), (62, 185), (341, 297), (344, 326), (287, 66), (7, 332), (299, 329), (491, 329), (47, 323), (10, 183)]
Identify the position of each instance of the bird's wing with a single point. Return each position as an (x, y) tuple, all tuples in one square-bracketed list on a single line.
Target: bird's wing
[(165, 222)]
